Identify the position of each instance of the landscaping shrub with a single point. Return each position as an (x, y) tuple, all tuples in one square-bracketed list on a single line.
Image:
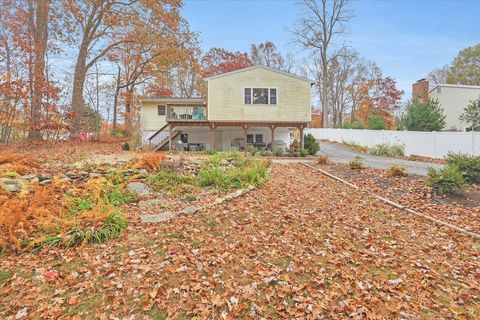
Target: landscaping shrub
[(126, 146), (396, 171), (424, 116), (242, 172), (356, 164), (311, 144), (355, 125), (447, 180), (166, 179), (468, 165), (210, 151), (376, 122), (303, 152), (252, 150), (323, 159), (387, 150), (150, 161), (47, 218), (279, 152)]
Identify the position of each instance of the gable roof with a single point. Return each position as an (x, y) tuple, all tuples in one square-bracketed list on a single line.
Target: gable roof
[(464, 86), (258, 67)]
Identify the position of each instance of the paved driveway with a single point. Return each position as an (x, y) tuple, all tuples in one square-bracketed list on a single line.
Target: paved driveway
[(342, 154)]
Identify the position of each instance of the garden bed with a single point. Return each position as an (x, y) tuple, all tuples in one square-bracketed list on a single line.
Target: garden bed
[(47, 206), (459, 209)]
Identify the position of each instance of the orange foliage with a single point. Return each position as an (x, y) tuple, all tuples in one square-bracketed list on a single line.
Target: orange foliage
[(17, 162), (46, 207), (21, 217), (150, 161)]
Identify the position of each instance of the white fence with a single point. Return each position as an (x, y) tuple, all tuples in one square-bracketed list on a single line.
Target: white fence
[(429, 144)]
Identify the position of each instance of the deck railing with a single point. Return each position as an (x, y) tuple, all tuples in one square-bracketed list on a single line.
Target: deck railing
[(186, 113)]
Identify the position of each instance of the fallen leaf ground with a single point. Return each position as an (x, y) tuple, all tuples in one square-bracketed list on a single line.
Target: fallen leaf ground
[(301, 246), (462, 210)]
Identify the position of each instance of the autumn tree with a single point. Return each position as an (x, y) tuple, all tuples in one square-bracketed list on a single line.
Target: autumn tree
[(92, 24), (267, 54), (464, 69), (323, 22), (218, 61), (380, 98), (159, 40)]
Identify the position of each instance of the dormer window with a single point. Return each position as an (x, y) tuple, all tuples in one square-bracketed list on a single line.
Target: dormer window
[(260, 96)]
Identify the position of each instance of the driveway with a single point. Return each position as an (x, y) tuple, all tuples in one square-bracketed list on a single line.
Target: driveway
[(343, 154)]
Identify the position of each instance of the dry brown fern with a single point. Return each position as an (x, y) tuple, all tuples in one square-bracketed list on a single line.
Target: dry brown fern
[(150, 161)]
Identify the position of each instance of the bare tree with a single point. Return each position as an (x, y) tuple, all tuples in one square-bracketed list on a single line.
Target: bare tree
[(267, 54), (439, 75), (322, 22)]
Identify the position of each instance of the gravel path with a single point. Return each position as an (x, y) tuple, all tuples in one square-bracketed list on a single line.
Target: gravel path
[(344, 154)]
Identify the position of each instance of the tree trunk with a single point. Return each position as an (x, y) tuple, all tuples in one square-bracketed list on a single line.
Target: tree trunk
[(324, 88), (78, 85), (40, 27), (128, 111), (115, 102)]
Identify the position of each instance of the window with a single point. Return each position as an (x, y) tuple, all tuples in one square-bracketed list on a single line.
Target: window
[(161, 110), (248, 96), (249, 138), (259, 138), (260, 96), (273, 96)]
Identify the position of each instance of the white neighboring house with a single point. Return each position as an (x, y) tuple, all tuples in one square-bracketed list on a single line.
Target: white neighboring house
[(255, 106), (453, 99)]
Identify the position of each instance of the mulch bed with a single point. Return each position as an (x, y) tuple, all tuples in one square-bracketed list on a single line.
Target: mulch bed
[(459, 209)]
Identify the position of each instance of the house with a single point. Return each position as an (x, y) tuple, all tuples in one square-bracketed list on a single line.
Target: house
[(453, 99), (256, 105)]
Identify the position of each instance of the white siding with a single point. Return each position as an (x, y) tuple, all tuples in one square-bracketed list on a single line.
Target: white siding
[(453, 100)]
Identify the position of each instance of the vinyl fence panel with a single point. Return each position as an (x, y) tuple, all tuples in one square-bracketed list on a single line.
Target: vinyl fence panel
[(428, 144)]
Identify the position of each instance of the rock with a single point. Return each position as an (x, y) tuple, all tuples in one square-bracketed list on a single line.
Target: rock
[(142, 173), (224, 162), (149, 203), (45, 182), (45, 176), (155, 218), (28, 177), (138, 189), (188, 211), (10, 185), (35, 180), (94, 175)]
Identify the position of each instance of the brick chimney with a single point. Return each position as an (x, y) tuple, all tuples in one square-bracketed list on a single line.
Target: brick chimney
[(420, 91)]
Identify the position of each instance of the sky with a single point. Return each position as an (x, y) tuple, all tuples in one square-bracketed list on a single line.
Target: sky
[(407, 39)]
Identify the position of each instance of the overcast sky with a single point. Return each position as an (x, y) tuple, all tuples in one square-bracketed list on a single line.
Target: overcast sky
[(407, 39)]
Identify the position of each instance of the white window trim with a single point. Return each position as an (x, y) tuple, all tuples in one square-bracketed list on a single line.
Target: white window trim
[(251, 96)]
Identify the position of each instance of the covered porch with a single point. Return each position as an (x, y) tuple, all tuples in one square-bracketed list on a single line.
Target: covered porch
[(222, 136)]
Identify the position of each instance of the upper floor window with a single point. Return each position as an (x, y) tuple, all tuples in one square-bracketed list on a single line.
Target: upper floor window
[(260, 96), (161, 110)]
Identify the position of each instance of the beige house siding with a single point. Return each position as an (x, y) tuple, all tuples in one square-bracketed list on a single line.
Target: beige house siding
[(150, 118), (226, 97), (453, 99)]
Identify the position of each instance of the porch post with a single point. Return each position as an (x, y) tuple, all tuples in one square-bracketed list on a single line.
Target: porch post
[(245, 131), (212, 136), (302, 144), (272, 146), (170, 132)]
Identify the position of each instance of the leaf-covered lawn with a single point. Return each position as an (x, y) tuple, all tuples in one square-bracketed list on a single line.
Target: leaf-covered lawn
[(301, 246)]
